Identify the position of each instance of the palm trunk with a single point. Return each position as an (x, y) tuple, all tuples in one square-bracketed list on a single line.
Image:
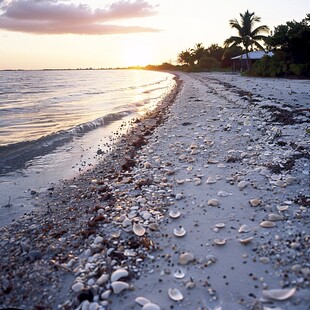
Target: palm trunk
[(247, 59)]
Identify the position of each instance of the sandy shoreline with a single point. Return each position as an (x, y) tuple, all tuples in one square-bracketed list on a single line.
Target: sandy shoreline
[(226, 155)]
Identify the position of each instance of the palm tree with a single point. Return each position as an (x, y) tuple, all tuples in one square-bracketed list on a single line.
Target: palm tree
[(248, 37), (186, 57), (198, 52)]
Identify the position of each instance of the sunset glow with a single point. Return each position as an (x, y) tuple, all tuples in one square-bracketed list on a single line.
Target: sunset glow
[(119, 33)]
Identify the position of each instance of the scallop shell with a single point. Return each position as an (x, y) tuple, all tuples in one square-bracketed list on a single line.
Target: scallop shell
[(186, 258), (175, 294), (138, 229), (244, 229), (220, 241), (219, 225), (255, 202), (267, 224), (246, 240), (119, 273), (150, 306), (142, 301), (213, 202), (279, 294), (119, 286), (179, 273), (179, 232), (174, 214)]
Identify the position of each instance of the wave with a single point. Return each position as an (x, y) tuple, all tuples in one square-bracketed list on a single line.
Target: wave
[(15, 156)]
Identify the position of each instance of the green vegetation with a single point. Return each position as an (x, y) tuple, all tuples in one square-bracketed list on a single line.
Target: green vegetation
[(290, 44)]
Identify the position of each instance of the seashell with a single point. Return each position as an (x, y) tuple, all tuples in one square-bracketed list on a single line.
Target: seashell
[(150, 306), (255, 202), (211, 259), (243, 184), (212, 161), (219, 225), (175, 294), (279, 294), (179, 273), (142, 301), (126, 222), (138, 229), (274, 217), (119, 273), (180, 181), (116, 234), (190, 284), (153, 226), (210, 180), (193, 146), (182, 157), (246, 240), (221, 165), (197, 181), (179, 196), (219, 241), (267, 224), (179, 232), (213, 203), (119, 286), (244, 229), (186, 258), (174, 214), (282, 208), (223, 194)]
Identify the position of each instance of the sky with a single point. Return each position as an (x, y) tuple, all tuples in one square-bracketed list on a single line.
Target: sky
[(57, 34)]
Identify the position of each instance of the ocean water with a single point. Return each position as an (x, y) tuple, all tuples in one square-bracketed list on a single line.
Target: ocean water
[(52, 124)]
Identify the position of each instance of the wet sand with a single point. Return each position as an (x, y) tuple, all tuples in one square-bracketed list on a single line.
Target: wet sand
[(231, 155)]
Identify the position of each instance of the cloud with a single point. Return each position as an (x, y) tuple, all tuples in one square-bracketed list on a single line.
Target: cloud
[(55, 17)]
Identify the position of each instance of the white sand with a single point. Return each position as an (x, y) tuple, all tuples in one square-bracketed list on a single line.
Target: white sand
[(235, 132)]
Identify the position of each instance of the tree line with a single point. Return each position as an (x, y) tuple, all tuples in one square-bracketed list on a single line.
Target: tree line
[(290, 44)]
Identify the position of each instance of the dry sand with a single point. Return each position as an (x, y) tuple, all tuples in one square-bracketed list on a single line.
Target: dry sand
[(230, 151)]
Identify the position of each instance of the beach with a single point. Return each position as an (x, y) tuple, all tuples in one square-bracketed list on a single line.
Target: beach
[(203, 205)]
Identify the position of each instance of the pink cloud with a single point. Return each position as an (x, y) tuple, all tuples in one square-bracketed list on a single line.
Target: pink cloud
[(53, 17)]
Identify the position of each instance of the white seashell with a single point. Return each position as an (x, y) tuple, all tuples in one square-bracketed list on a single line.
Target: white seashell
[(105, 295), (142, 301), (186, 258), (154, 226), (126, 222), (211, 180), (197, 181), (274, 217), (119, 273), (182, 157), (150, 306), (179, 273), (179, 232), (255, 202), (138, 229), (267, 224), (246, 240), (211, 259), (220, 241), (219, 225), (282, 208), (223, 194), (174, 214), (243, 184), (213, 202), (190, 284), (193, 146), (180, 181), (179, 196), (279, 294), (244, 229), (119, 286), (221, 166), (175, 294)]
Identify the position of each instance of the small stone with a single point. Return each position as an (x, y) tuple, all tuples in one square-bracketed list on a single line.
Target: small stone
[(34, 255), (213, 202), (77, 287), (255, 202)]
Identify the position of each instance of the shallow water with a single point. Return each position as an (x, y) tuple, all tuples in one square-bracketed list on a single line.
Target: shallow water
[(52, 124)]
